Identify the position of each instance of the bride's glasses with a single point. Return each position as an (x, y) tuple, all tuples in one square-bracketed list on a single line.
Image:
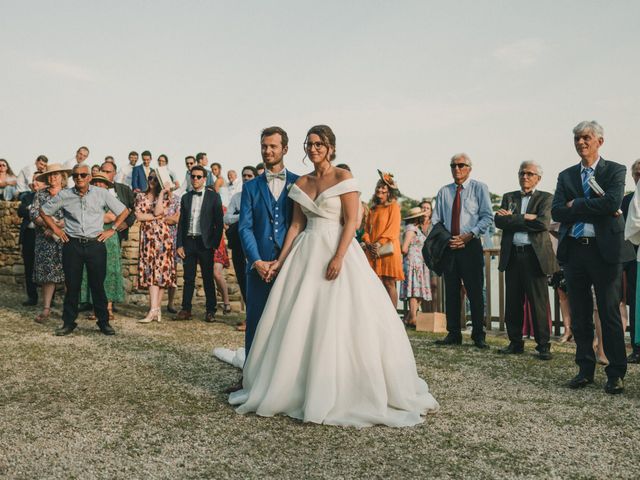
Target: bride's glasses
[(311, 145)]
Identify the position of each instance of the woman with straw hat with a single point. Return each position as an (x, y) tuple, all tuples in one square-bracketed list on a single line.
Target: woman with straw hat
[(416, 286), (47, 268)]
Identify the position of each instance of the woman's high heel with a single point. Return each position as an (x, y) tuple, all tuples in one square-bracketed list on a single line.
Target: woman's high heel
[(154, 314), (565, 338)]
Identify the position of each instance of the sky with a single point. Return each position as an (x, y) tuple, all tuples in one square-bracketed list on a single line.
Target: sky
[(403, 84)]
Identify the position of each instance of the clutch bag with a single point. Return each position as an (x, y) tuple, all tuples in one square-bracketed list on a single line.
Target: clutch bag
[(385, 250)]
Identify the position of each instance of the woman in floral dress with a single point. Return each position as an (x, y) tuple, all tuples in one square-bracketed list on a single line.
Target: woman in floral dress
[(157, 257), (416, 285)]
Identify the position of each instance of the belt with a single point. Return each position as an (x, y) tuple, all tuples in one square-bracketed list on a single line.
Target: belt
[(193, 236), (584, 240), (522, 248), (84, 239)]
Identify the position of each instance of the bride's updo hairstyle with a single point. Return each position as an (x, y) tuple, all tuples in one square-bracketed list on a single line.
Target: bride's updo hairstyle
[(327, 136)]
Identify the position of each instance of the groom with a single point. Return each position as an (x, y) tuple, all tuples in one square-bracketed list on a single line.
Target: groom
[(265, 215)]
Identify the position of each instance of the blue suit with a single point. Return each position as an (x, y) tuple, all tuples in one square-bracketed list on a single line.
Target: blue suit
[(138, 178), (262, 227)]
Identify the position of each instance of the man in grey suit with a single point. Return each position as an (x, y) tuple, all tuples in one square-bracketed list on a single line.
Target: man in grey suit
[(527, 258), (592, 249)]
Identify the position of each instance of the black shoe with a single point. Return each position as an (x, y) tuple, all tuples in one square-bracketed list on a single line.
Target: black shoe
[(64, 330), (30, 303), (171, 310), (580, 381), (107, 329), (634, 357), (544, 352), (512, 349), (614, 386), (481, 344), (450, 339)]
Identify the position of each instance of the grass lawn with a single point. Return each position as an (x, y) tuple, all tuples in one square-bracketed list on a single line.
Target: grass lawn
[(148, 403)]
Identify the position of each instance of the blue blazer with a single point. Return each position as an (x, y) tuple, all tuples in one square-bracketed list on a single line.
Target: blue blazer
[(138, 179), (264, 221)]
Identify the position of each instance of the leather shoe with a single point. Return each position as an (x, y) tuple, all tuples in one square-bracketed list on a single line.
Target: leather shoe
[(544, 352), (171, 310), (64, 330), (512, 349), (580, 381), (210, 317), (634, 357), (614, 386), (234, 388), (107, 329), (30, 303), (450, 339), (481, 344), (183, 315)]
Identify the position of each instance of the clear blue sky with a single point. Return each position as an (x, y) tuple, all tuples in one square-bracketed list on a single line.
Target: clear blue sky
[(404, 84)]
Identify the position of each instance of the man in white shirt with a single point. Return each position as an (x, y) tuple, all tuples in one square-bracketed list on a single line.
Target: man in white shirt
[(124, 175), (26, 175)]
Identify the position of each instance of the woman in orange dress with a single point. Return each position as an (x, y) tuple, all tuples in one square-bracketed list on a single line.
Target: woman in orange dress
[(383, 228)]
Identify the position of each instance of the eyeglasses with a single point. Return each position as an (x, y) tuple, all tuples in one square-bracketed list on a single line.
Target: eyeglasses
[(527, 174), (80, 175), (197, 177), (310, 145), (458, 165)]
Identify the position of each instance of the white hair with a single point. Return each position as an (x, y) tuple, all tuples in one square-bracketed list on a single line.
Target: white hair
[(458, 156), (589, 126), (531, 163)]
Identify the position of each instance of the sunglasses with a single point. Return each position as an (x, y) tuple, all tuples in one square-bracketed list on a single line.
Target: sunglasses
[(527, 174), (80, 175), (458, 165), (152, 178), (197, 177)]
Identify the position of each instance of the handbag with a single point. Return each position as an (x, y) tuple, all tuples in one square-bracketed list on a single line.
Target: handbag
[(385, 250)]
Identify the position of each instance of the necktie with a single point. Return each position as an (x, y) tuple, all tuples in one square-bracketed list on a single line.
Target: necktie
[(526, 194), (587, 173), (455, 213), (273, 176)]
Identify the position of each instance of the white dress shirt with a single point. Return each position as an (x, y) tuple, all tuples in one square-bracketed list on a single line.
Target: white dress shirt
[(276, 185), (25, 177), (125, 174), (521, 239), (196, 207), (233, 211)]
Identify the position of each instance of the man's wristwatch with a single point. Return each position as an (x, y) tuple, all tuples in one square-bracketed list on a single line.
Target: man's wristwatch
[(114, 227)]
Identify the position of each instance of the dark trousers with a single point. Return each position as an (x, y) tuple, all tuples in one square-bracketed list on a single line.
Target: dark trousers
[(257, 293), (631, 269), (586, 267), (524, 277), (240, 267), (28, 257), (196, 253), (76, 255), (465, 265)]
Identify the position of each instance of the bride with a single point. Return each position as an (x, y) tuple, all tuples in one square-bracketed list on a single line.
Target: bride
[(330, 347)]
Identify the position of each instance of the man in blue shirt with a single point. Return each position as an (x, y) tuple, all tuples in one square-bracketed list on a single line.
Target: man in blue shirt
[(464, 209)]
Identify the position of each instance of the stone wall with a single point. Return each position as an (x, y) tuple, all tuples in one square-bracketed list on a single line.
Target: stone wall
[(12, 268)]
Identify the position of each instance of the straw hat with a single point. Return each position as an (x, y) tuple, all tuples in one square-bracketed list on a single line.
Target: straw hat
[(387, 178), (52, 168), (101, 177), (415, 212)]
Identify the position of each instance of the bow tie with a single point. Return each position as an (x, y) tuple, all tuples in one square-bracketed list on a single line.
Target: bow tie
[(525, 194), (197, 193), (273, 176)]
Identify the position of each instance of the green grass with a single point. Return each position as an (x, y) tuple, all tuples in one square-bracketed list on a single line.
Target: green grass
[(148, 403)]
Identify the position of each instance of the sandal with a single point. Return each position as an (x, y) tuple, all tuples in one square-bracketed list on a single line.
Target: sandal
[(44, 316), (226, 309)]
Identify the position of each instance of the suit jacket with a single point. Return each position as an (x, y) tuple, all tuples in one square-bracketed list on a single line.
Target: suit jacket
[(262, 229), (138, 178), (211, 219), (600, 211), (23, 212), (128, 199), (435, 247), (538, 229)]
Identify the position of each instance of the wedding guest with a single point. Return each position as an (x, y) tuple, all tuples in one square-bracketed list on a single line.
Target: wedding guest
[(199, 233), (189, 162), (163, 161), (82, 154), (123, 193), (156, 260), (25, 177), (416, 286), (593, 250), (426, 226), (260, 168), (83, 236), (140, 174), (113, 280), (527, 258), (109, 158), (27, 240), (95, 169), (218, 179), (464, 209), (48, 265), (203, 161), (382, 235), (8, 181), (125, 174), (630, 270), (234, 185), (172, 219)]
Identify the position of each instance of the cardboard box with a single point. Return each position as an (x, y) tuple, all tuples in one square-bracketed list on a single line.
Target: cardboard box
[(431, 322)]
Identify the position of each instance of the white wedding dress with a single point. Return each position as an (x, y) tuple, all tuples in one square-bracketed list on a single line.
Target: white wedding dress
[(332, 352)]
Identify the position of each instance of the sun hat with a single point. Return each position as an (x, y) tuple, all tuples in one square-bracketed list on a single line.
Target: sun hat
[(101, 177), (414, 213), (52, 168)]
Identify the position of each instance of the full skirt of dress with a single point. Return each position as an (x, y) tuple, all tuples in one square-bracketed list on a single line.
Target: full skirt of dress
[(332, 352)]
